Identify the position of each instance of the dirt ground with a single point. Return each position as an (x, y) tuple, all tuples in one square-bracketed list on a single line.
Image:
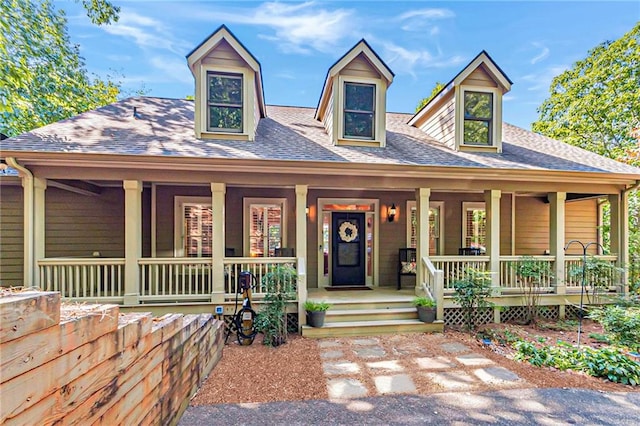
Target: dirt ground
[(293, 371)]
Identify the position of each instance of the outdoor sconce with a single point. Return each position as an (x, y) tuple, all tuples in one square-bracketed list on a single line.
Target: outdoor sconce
[(306, 210), (391, 213)]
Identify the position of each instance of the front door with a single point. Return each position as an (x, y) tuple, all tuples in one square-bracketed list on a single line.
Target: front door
[(348, 248)]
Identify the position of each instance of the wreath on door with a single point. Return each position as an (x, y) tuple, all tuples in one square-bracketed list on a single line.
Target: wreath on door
[(348, 231)]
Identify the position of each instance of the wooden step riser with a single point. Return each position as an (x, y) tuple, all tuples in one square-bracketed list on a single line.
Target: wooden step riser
[(372, 330), (378, 316), (347, 306)]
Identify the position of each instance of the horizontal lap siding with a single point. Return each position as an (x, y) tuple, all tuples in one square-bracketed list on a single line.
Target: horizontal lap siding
[(480, 77), (360, 67), (581, 224), (328, 117), (11, 236), (441, 123), (224, 54)]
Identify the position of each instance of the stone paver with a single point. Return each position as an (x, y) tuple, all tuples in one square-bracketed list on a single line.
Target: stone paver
[(391, 365), (365, 342), (399, 383), (344, 367), (328, 343), (437, 363), (473, 359), (455, 347), (346, 388), (411, 348), (452, 380), (370, 352), (497, 375), (332, 354)]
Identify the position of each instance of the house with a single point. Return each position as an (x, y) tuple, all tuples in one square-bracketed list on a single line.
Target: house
[(152, 202)]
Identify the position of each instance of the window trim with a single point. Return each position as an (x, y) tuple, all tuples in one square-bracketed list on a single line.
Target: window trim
[(345, 111), (495, 124), (411, 204), (247, 202), (208, 103), (179, 201), (466, 205), (379, 120)]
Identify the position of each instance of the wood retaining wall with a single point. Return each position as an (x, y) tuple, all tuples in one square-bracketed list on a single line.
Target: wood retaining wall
[(89, 364)]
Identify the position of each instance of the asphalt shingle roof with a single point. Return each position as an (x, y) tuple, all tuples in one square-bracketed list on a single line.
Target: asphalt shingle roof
[(165, 128)]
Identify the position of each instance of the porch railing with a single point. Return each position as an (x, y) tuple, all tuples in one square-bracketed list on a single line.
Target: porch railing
[(433, 285), (187, 278), (84, 278), (609, 279), (455, 267), (509, 271), (258, 266)]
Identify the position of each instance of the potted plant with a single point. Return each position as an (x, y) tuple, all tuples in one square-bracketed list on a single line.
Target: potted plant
[(316, 312), (426, 308), (280, 283)]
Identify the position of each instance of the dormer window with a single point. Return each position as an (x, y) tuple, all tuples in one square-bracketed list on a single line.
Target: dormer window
[(224, 102), (359, 110), (478, 118)]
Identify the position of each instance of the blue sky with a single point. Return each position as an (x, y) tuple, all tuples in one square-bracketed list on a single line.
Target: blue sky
[(296, 42)]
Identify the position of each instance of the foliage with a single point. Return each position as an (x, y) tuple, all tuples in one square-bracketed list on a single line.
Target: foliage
[(280, 284), (313, 306), (598, 275), (610, 363), (436, 89), (472, 291), (560, 325), (622, 324), (42, 75), (427, 302), (628, 300), (530, 273)]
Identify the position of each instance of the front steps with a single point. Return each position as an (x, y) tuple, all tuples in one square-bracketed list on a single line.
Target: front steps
[(355, 317)]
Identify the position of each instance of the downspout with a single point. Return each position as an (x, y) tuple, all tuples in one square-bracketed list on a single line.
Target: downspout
[(27, 184)]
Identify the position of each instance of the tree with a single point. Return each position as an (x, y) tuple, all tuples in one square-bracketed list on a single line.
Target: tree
[(437, 88), (42, 75)]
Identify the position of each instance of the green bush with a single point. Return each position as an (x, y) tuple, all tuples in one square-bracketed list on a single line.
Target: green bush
[(280, 283), (472, 291), (621, 323)]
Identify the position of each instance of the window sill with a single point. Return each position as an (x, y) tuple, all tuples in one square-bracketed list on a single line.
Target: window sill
[(358, 142), (224, 135), (478, 148)]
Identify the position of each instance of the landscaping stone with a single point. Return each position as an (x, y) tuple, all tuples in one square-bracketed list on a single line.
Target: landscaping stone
[(344, 367), (345, 388), (452, 380), (365, 342), (410, 349), (497, 375), (332, 354), (399, 383), (370, 352), (436, 363), (391, 365), (328, 343), (454, 347), (473, 359)]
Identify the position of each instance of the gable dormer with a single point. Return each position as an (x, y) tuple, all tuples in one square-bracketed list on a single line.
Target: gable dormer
[(467, 113), (229, 100), (353, 103)]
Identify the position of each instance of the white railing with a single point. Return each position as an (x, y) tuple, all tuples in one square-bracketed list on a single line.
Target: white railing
[(455, 267), (84, 278), (509, 271), (433, 285), (258, 266), (180, 279), (610, 278)]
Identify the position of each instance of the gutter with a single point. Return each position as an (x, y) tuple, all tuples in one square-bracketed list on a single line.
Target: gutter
[(27, 184)]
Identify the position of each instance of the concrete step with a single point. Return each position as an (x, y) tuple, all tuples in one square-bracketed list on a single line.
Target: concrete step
[(350, 315), (372, 328)]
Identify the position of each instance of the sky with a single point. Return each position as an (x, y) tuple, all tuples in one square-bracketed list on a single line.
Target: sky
[(423, 42)]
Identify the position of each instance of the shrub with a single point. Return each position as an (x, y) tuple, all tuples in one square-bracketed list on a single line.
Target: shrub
[(622, 324), (472, 291), (530, 273), (280, 284)]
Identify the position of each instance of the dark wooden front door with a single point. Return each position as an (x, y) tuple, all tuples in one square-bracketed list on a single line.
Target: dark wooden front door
[(348, 249)]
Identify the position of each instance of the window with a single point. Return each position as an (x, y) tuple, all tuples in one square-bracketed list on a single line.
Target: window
[(265, 226), (359, 110), (436, 242), (474, 226), (193, 227), (478, 118), (224, 102)]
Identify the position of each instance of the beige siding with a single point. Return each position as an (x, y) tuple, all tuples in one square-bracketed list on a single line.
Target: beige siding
[(360, 67), (581, 224), (223, 54), (440, 124), (11, 236), (328, 117), (480, 77), (256, 108), (79, 225)]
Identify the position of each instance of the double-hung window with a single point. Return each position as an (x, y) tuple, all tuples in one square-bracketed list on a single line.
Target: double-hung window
[(478, 118), (265, 225), (224, 102), (193, 226), (359, 110)]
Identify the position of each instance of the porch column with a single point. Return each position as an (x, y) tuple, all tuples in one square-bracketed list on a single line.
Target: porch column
[(422, 230), (39, 187), (492, 206), (132, 240), (301, 250), (619, 234), (218, 191), (556, 238)]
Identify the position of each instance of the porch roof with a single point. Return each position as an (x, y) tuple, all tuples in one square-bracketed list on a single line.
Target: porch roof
[(164, 127)]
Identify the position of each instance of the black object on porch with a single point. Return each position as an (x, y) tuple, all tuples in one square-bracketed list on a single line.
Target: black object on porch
[(406, 264)]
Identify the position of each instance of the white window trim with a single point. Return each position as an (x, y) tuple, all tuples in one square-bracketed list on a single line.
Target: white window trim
[(432, 204), (178, 223), (246, 219), (466, 205), (496, 135), (379, 130)]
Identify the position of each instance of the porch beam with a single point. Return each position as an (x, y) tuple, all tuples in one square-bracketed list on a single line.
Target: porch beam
[(218, 191), (557, 237), (422, 228), (132, 240), (301, 248), (492, 206), (39, 188)]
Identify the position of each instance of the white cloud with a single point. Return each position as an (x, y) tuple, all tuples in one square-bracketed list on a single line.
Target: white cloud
[(540, 81), (540, 56), (508, 98), (405, 61), (420, 20), (173, 68), (427, 14)]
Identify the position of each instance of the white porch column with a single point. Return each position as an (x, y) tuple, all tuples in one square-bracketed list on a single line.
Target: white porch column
[(422, 230), (301, 250), (621, 221), (556, 237), (132, 240), (39, 187), (492, 206), (218, 191)]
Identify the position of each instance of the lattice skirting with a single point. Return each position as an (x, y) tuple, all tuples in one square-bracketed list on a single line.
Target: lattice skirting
[(456, 316), (292, 323), (519, 313), (573, 312)]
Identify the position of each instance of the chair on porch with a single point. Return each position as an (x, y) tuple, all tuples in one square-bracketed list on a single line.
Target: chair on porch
[(469, 251), (406, 264), (284, 252)]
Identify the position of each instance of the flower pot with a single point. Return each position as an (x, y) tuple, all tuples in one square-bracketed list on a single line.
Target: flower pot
[(426, 314), (315, 318)]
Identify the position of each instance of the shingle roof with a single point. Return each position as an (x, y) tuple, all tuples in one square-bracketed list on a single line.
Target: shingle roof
[(164, 127)]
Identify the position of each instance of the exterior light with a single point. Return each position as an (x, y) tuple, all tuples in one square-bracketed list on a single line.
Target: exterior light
[(391, 213)]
